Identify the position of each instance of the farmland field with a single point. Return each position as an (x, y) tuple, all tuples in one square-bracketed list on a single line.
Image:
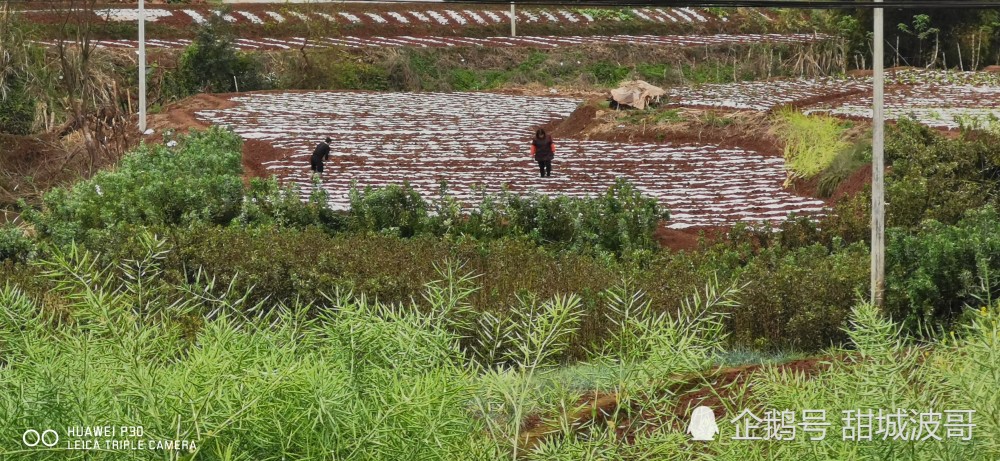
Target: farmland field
[(478, 141), (934, 98), (550, 41), (170, 263), (439, 16)]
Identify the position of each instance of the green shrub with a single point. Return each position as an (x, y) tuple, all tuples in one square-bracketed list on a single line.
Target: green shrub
[(933, 177), (14, 245), (652, 73), (197, 181), (936, 272), (268, 204), (17, 109), (608, 74), (799, 299), (396, 210), (470, 80), (604, 14), (843, 165), (212, 63), (619, 221)]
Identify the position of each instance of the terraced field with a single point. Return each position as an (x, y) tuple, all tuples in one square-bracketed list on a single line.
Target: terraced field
[(938, 99), (477, 142), (762, 95), (549, 41), (398, 15)]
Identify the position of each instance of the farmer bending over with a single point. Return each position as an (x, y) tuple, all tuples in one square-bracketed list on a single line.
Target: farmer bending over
[(543, 150), (319, 155)]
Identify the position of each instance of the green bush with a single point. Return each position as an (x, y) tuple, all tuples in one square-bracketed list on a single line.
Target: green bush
[(936, 272), (619, 221), (605, 14), (212, 63), (396, 210), (800, 298), (268, 204), (17, 110), (843, 165), (608, 74), (14, 245), (653, 73), (933, 177), (470, 80), (197, 181)]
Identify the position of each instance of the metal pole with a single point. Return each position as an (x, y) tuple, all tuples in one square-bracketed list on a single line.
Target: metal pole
[(513, 20), (878, 167), (142, 66)]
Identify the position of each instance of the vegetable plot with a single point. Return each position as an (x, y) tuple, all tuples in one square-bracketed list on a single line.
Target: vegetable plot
[(443, 17), (478, 143), (550, 41)]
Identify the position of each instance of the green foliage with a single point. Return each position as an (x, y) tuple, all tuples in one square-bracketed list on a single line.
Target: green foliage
[(607, 73), (213, 64), (934, 274), (14, 245), (18, 67), (607, 14), (17, 109), (799, 298), (394, 210), (280, 384), (619, 221), (812, 142), (652, 73), (711, 72), (932, 177), (268, 204), (470, 80), (197, 181), (711, 118)]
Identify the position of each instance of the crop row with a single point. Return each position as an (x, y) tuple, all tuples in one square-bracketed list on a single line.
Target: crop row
[(549, 41), (439, 17), (477, 143)]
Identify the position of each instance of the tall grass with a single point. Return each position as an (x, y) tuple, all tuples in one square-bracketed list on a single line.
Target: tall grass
[(358, 379), (812, 142)]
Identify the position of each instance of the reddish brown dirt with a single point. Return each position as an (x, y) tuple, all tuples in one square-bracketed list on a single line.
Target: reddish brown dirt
[(574, 125), (854, 184), (28, 162), (688, 239), (745, 133), (180, 117), (725, 384)]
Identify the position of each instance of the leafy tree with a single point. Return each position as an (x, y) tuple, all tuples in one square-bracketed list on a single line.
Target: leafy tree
[(213, 64)]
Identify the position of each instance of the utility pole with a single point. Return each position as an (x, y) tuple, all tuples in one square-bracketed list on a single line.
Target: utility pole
[(142, 66), (878, 167), (513, 20)]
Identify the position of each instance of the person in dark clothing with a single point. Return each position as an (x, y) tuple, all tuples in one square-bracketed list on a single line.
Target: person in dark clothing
[(320, 154), (543, 150)]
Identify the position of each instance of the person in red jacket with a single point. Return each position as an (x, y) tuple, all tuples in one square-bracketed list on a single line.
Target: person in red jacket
[(543, 150)]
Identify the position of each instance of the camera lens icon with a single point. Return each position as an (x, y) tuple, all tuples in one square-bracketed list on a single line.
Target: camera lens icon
[(47, 438)]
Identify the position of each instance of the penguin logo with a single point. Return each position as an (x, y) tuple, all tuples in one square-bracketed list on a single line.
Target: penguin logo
[(702, 425)]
